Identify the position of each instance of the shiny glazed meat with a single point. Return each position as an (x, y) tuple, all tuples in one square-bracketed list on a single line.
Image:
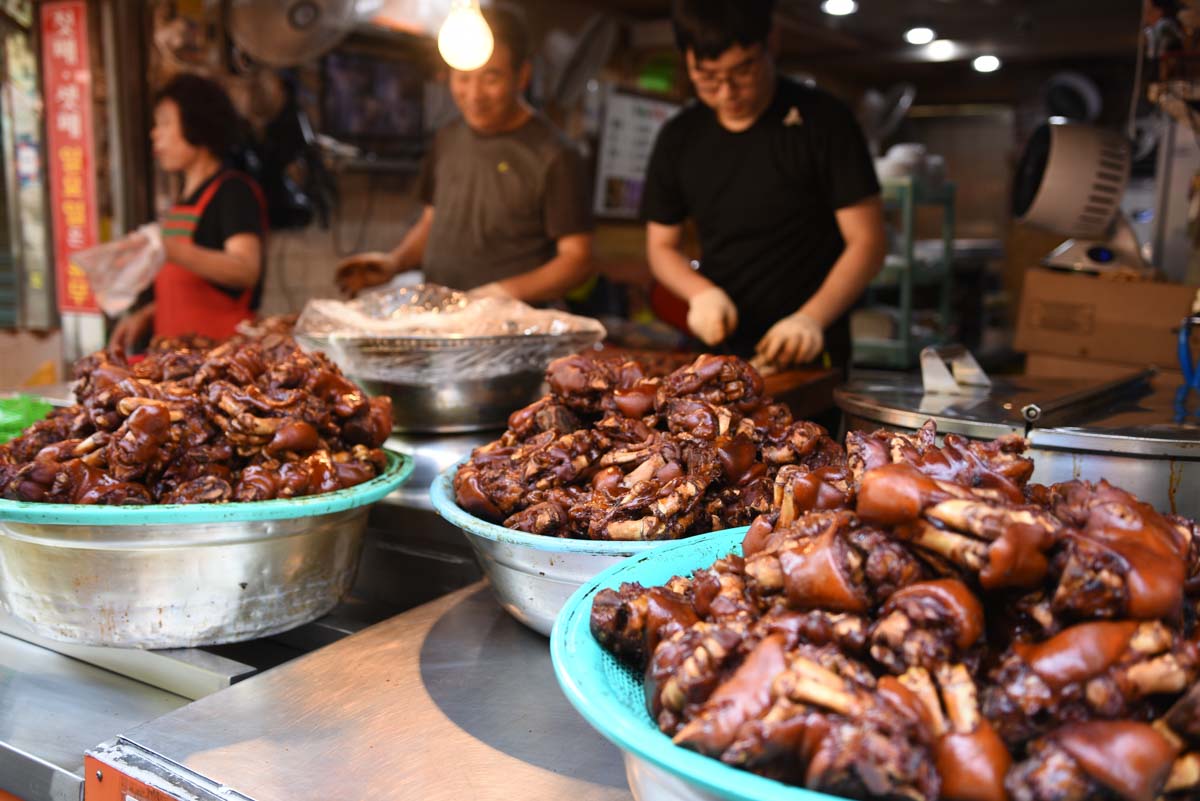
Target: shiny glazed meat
[(247, 420), (612, 454), (948, 631)]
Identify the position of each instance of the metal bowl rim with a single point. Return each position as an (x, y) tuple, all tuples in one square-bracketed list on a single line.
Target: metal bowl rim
[(441, 493), (382, 345), (399, 468)]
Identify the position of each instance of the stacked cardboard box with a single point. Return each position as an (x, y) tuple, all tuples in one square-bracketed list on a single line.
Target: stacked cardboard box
[(1074, 325)]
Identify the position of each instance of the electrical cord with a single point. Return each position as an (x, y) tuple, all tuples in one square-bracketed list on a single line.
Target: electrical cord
[(1131, 126)]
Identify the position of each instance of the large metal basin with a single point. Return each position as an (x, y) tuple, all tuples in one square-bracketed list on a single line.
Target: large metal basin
[(182, 576), (532, 575), (454, 383), (463, 405), (1145, 443)]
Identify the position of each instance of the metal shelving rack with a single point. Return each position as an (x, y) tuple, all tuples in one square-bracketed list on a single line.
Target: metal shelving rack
[(904, 272)]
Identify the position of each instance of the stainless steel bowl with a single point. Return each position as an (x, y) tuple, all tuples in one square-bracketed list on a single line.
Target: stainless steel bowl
[(183, 575), (452, 384), (457, 406), (531, 575)]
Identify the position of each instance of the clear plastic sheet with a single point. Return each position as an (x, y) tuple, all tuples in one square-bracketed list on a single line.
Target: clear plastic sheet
[(118, 271), (429, 335)]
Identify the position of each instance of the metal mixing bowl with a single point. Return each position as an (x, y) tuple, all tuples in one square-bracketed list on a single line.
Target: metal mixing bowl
[(451, 384), (532, 575), (175, 576)]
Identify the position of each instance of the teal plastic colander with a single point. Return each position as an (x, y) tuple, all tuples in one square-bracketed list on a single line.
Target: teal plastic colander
[(609, 694), (399, 468)]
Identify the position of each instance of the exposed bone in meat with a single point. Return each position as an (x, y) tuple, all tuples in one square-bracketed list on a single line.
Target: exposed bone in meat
[(1103, 760), (1123, 559), (718, 380), (632, 620), (828, 561), (927, 625), (972, 761), (1002, 546), (542, 415), (996, 467), (583, 383), (1103, 670)]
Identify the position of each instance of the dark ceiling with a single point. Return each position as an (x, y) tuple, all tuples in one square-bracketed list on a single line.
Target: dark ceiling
[(1014, 30)]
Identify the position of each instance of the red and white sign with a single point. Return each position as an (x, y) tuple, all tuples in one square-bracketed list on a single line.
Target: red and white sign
[(70, 146)]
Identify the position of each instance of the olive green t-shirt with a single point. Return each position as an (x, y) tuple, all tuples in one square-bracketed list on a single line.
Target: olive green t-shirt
[(500, 201)]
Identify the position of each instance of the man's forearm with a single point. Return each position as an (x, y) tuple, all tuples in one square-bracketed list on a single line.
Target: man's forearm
[(551, 281), (673, 270), (409, 253), (859, 263)]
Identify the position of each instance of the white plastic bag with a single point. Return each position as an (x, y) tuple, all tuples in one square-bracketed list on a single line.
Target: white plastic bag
[(119, 271)]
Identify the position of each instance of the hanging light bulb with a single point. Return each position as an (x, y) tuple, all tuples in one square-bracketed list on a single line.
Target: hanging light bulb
[(465, 40)]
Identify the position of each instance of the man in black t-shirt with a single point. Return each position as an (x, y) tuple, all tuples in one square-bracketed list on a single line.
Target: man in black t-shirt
[(780, 184)]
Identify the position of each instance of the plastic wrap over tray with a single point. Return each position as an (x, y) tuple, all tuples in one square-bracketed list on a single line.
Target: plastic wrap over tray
[(429, 335)]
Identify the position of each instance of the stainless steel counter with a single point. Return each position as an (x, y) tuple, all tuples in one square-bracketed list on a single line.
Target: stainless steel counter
[(452, 700), (53, 708)]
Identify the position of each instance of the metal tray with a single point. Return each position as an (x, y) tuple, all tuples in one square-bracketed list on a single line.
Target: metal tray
[(175, 576), (532, 575)]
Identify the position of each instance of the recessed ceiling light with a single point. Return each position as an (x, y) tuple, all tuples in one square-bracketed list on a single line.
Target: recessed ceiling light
[(839, 8), (941, 50), (986, 64), (919, 36)]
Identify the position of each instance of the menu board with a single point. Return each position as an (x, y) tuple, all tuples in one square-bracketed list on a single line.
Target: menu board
[(631, 123)]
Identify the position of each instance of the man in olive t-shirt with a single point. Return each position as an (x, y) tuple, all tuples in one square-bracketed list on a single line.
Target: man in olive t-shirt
[(506, 196)]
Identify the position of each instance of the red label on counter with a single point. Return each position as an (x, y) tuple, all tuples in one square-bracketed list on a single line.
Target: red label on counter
[(69, 146)]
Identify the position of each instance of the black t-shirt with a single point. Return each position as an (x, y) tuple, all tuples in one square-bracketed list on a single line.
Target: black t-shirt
[(763, 201), (233, 210)]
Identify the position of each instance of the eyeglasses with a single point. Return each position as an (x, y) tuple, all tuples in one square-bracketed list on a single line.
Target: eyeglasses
[(739, 76)]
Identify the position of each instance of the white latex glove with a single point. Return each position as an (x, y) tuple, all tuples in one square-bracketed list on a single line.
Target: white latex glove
[(795, 339), (712, 315), (492, 290)]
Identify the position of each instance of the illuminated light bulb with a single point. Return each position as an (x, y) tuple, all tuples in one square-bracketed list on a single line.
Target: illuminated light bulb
[(839, 8), (986, 64), (941, 50), (919, 36), (465, 40)]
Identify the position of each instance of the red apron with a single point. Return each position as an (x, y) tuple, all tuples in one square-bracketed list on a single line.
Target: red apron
[(185, 303)]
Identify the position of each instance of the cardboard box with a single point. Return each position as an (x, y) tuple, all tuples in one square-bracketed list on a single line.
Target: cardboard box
[(1101, 319), (1041, 365)]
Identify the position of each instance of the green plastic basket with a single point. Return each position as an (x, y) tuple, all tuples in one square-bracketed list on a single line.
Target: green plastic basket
[(609, 693), (19, 413)]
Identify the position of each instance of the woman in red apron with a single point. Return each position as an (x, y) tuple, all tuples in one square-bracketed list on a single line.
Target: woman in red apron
[(214, 237)]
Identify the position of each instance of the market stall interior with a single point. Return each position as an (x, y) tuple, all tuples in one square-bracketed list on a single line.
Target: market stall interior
[(676, 399)]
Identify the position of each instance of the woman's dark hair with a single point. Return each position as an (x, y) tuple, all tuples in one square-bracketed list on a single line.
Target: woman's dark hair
[(710, 27), (206, 114), (509, 28)]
